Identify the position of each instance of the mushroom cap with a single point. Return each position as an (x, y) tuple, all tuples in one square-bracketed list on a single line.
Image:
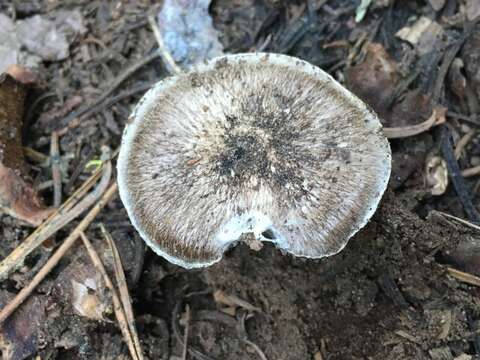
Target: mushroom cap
[(257, 143)]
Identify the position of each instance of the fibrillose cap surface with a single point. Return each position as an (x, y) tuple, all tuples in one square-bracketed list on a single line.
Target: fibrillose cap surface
[(261, 144)]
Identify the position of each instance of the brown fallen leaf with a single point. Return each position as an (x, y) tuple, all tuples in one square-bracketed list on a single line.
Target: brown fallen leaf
[(22, 74), (436, 175), (374, 79), (377, 81), (17, 196), (456, 79), (19, 335), (19, 199), (438, 117), (83, 286)]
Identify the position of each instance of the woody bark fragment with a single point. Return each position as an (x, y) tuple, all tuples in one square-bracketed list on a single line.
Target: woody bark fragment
[(17, 196)]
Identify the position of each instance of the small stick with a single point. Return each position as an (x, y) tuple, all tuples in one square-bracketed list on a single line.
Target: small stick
[(185, 335), (242, 333), (79, 169), (448, 58), (142, 87), (87, 109), (470, 119), (166, 56), (56, 175), (459, 184), (117, 306), (464, 277), (464, 140), (66, 213), (471, 171), (176, 332), (44, 185), (57, 256), (35, 155), (257, 349), (123, 289), (453, 217)]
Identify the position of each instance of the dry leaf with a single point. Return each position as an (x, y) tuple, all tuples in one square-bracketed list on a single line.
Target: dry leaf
[(436, 175), (423, 34), (374, 79), (17, 196), (456, 79), (19, 335), (22, 74), (83, 287), (85, 301), (19, 199), (413, 33)]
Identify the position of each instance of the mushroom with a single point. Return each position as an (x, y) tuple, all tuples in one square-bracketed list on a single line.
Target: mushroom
[(262, 145)]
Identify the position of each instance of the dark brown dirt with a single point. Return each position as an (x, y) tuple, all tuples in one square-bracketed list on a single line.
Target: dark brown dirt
[(386, 296)]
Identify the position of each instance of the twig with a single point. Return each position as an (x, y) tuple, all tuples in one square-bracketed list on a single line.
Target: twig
[(79, 168), (408, 336), (56, 175), (460, 220), (242, 333), (471, 171), (257, 349), (134, 90), (448, 57), (437, 118), (185, 335), (57, 256), (356, 48), (176, 332), (221, 297), (123, 290), (90, 108), (35, 155), (463, 142), (66, 213), (464, 277), (44, 185), (470, 119), (117, 306), (166, 56), (456, 176)]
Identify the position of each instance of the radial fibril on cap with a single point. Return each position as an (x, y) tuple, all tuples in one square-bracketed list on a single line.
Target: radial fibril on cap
[(264, 144)]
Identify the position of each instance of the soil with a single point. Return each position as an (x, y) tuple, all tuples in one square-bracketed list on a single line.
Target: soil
[(388, 295)]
